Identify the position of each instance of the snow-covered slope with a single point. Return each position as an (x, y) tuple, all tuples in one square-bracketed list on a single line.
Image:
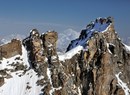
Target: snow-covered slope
[(127, 48), (70, 54), (20, 82), (99, 25)]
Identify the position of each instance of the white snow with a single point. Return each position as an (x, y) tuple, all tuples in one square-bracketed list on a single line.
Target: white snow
[(70, 54), (108, 48), (127, 48), (52, 88), (79, 91), (77, 45), (122, 84), (53, 57), (18, 85), (98, 27), (7, 62), (25, 56)]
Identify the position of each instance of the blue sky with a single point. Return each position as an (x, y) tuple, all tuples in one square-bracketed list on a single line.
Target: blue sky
[(20, 16)]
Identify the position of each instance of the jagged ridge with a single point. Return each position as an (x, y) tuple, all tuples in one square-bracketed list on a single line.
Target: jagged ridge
[(97, 63), (99, 25)]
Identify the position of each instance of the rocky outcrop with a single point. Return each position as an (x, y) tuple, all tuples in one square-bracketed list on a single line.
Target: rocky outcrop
[(45, 51), (102, 61), (11, 49), (96, 63), (104, 58), (92, 71)]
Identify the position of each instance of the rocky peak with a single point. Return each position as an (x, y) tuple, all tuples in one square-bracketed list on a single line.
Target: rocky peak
[(99, 25), (96, 63), (10, 49), (102, 60), (49, 41), (40, 46)]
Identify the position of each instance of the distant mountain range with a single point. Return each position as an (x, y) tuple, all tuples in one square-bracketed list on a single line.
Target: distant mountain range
[(6, 39), (64, 38)]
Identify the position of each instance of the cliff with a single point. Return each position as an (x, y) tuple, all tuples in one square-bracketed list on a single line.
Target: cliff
[(96, 63)]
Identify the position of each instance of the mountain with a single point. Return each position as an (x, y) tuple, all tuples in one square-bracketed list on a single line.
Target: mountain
[(65, 37), (95, 63), (6, 39)]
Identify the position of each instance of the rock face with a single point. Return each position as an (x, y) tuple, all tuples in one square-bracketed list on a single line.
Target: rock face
[(92, 71), (11, 49), (96, 63), (104, 58), (49, 64)]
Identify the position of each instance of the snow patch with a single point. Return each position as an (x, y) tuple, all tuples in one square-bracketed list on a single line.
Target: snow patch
[(90, 29), (5, 63), (108, 48), (25, 56), (127, 48), (79, 91), (18, 85), (52, 88), (70, 54), (122, 84)]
